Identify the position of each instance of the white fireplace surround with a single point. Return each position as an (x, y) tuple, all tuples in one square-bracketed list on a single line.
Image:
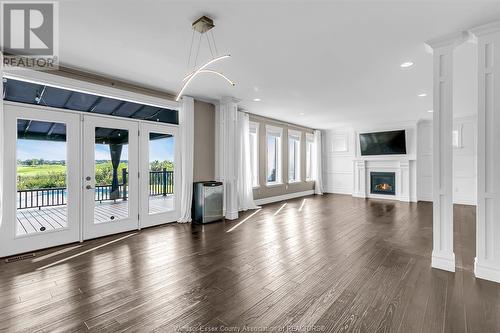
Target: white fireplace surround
[(400, 166)]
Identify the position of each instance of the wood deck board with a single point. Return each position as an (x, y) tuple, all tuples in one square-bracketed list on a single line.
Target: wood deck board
[(30, 220), (343, 264)]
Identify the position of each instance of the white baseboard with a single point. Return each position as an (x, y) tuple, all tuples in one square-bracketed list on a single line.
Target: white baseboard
[(462, 201), (283, 197), (443, 261), (486, 272), (338, 190), (455, 202)]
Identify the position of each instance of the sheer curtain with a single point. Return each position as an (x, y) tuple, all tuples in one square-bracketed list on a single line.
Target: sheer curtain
[(186, 129), (317, 168), (1, 145), (245, 188)]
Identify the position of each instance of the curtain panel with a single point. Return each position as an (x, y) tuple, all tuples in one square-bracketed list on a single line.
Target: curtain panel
[(245, 188), (318, 166), (186, 129)]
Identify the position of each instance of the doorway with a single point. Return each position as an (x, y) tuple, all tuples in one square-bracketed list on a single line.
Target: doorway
[(69, 177)]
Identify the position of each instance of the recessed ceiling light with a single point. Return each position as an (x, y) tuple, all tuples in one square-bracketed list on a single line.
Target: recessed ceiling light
[(430, 111), (256, 99), (422, 95), (406, 64), (302, 113)]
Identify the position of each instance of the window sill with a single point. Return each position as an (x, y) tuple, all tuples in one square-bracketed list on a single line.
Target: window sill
[(274, 184), (294, 181), (256, 187)]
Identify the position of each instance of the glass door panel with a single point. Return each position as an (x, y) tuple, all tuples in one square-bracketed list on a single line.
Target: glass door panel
[(110, 176), (161, 173), (41, 150), (160, 188), (41, 179)]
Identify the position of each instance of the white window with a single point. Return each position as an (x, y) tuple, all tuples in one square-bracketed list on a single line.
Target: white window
[(273, 142), (254, 153), (294, 138), (309, 155)]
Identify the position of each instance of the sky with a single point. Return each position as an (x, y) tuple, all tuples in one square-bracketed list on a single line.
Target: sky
[(48, 150), (161, 149)]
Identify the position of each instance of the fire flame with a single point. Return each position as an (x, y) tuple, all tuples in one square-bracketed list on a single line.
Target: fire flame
[(384, 187)]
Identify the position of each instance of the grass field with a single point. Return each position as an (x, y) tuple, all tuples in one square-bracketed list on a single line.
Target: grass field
[(43, 169)]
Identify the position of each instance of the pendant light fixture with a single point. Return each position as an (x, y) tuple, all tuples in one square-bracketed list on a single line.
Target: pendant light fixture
[(203, 27)]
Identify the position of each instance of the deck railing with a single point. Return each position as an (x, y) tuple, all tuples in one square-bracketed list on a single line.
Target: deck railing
[(46, 197), (160, 183)]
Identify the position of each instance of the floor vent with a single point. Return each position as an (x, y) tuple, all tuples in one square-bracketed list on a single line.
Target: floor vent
[(20, 257)]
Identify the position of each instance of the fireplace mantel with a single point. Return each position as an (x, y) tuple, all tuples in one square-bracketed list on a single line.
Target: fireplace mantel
[(401, 166)]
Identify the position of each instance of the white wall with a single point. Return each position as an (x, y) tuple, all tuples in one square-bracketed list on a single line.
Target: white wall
[(340, 149), (424, 160), (464, 161)]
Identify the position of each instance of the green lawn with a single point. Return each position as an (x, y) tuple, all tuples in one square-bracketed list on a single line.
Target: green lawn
[(43, 169)]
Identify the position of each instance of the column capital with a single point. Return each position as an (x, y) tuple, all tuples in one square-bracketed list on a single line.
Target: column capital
[(229, 99), (485, 29), (450, 40), (186, 98)]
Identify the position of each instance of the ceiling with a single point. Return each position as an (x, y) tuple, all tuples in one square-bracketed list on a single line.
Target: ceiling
[(320, 64)]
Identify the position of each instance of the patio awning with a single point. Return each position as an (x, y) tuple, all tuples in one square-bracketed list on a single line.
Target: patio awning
[(39, 94)]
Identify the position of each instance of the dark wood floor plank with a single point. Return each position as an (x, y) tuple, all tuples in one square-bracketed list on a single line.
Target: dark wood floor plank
[(436, 308), (341, 263)]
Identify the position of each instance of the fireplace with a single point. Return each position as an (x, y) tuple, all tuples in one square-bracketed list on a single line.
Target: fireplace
[(383, 183)]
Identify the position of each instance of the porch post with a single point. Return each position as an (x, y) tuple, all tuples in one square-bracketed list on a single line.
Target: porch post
[(164, 181), (487, 261), (443, 256), (124, 184), (116, 153)]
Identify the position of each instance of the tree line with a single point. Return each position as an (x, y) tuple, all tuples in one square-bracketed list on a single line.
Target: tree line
[(41, 176)]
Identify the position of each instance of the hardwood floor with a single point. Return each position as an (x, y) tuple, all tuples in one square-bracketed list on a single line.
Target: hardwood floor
[(337, 264)]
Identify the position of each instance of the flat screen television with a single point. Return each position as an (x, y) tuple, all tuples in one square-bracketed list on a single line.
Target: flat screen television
[(383, 143)]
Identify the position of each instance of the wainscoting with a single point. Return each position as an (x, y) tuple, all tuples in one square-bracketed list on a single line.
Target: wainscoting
[(464, 161), (340, 153)]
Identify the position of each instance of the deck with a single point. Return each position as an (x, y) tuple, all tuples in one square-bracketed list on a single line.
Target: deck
[(34, 220)]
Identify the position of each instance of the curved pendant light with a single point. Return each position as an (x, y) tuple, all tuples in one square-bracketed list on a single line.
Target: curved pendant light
[(184, 86), (209, 71), (203, 26)]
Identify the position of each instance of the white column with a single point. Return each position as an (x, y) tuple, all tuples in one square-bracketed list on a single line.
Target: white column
[(227, 140), (404, 174), (487, 262), (442, 189), (359, 179)]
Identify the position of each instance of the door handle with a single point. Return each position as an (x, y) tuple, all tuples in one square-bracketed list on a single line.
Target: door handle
[(89, 187)]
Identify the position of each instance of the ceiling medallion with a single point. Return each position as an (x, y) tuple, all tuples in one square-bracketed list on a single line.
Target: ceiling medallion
[(202, 26)]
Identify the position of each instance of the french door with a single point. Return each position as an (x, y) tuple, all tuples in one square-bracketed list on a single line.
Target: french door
[(161, 181), (110, 176), (41, 185), (69, 177)]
